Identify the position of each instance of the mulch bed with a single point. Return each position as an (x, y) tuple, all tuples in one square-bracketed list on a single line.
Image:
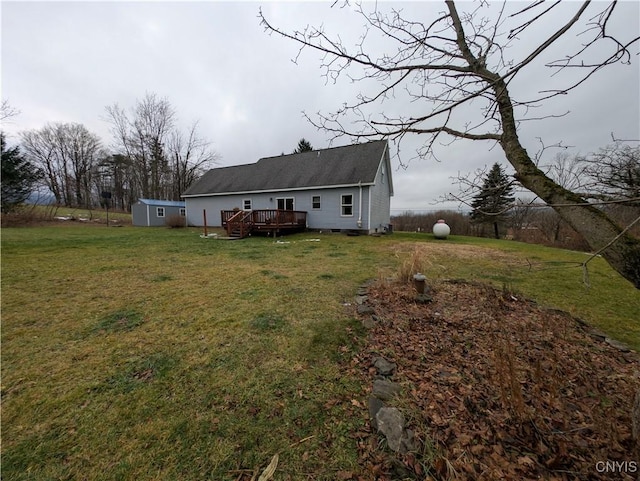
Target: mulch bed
[(496, 387)]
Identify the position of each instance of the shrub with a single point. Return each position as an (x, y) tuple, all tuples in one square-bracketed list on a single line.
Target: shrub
[(176, 221)]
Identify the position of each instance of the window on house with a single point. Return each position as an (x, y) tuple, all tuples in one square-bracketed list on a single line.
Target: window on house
[(346, 204), (285, 203), (183, 211), (246, 204), (160, 211), (315, 202)]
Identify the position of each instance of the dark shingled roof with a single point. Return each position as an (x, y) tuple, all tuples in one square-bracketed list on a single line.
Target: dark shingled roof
[(346, 165)]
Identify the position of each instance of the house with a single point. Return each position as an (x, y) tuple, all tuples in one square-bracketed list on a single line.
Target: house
[(339, 189), (154, 213)]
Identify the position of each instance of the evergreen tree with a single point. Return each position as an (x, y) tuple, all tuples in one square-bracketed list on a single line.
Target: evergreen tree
[(303, 146), (490, 204), (19, 177)]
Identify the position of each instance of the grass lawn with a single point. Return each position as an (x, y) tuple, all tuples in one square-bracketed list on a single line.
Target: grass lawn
[(151, 353)]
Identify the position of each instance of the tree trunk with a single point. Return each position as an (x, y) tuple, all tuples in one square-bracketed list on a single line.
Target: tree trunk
[(596, 228), (495, 230)]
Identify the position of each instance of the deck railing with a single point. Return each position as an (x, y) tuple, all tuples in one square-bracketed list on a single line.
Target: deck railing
[(278, 217), (263, 219)]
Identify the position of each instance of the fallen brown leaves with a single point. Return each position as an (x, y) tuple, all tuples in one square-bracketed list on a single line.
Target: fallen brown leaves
[(498, 388)]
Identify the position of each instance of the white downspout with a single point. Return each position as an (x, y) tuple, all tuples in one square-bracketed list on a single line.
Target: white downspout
[(360, 205), (148, 220), (369, 207)]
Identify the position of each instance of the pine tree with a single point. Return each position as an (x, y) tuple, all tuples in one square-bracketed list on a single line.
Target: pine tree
[(495, 196), (303, 146), (19, 177)]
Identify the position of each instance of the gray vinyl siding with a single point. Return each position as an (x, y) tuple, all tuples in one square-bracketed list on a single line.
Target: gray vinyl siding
[(147, 214), (327, 217), (381, 193)]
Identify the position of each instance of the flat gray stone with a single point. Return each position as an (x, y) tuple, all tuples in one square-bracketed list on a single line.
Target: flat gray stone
[(369, 322), (384, 389), (390, 422), (391, 425), (363, 309), (361, 299), (384, 367), (375, 405), (617, 344), (408, 442)]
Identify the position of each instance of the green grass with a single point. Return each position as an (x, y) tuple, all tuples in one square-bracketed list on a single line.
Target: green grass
[(155, 354), (142, 353)]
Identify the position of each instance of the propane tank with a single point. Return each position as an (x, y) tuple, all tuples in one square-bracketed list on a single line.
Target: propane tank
[(441, 230)]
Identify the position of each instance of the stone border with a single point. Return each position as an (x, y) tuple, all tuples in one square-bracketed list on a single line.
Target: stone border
[(385, 419)]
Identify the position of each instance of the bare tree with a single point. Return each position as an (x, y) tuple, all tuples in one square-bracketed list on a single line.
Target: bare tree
[(615, 173), (190, 156), (163, 161), (141, 136), (7, 111), (67, 154), (569, 172), (459, 60)]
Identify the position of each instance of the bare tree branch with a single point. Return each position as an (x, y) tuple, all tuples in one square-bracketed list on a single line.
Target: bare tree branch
[(460, 60)]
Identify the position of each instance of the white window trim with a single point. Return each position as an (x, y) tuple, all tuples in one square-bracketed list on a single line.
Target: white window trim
[(244, 204), (183, 211), (293, 199), (343, 205), (160, 211), (319, 202)]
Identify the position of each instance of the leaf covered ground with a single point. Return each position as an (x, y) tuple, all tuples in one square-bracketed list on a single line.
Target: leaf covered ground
[(496, 387)]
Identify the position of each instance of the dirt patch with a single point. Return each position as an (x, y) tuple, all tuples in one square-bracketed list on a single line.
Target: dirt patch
[(496, 387)]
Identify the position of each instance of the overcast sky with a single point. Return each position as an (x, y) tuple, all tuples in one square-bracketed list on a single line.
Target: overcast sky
[(66, 61)]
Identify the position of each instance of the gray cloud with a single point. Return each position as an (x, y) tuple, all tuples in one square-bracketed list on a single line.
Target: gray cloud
[(65, 61)]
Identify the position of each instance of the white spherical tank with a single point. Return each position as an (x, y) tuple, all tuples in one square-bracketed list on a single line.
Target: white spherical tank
[(441, 230)]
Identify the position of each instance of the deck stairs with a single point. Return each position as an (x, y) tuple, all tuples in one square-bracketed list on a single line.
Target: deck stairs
[(240, 224)]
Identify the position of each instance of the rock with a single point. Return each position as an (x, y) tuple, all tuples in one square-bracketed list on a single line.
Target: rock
[(384, 367), (369, 322), (363, 309), (423, 298), (617, 344), (408, 442), (391, 424), (385, 390), (361, 299), (375, 405)]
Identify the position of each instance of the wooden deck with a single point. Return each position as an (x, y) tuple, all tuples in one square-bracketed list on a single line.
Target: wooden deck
[(241, 223)]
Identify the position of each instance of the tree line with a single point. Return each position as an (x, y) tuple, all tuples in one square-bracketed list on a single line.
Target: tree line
[(610, 178), (149, 157)]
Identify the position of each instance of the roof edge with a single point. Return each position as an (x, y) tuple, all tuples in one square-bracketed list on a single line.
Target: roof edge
[(268, 191)]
